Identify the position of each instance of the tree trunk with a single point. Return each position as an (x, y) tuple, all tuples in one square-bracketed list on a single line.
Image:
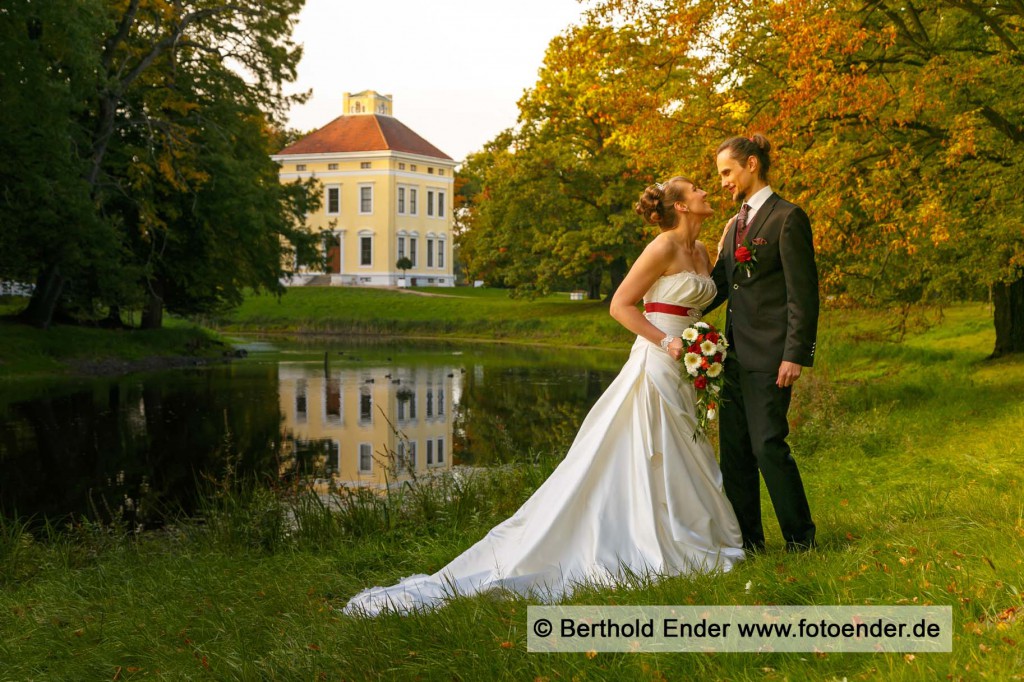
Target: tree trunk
[(49, 287), (113, 318), (1009, 317), (594, 283), (153, 313), (617, 272)]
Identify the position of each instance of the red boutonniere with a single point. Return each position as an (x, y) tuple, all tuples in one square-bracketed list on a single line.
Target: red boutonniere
[(746, 257)]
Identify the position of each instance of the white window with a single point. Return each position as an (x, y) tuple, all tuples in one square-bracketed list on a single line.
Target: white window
[(430, 407), (300, 401), (440, 171), (365, 199), (332, 401), (440, 450), (412, 251), (413, 168), (430, 202), (405, 401), (440, 253), (412, 454), (440, 402), (401, 201), (365, 405), (412, 201), (365, 458), (332, 461), (333, 200), (401, 247), (366, 250), (430, 452), (440, 204), (430, 253), (401, 166)]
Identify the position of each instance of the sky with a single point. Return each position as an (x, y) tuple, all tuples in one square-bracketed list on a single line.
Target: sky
[(455, 68)]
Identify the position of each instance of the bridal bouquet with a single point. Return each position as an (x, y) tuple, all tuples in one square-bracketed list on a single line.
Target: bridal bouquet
[(703, 364)]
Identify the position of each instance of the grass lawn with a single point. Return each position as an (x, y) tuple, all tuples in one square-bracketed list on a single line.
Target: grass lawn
[(485, 314), (28, 353), (910, 452)]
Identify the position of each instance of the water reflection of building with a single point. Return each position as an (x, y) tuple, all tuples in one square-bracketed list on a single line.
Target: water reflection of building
[(367, 427)]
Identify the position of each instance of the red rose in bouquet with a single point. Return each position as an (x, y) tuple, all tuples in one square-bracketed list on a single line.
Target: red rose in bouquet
[(702, 366)]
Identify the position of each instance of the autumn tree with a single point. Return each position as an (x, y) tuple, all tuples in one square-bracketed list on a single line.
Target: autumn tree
[(897, 124), (555, 199), (637, 93), (910, 117)]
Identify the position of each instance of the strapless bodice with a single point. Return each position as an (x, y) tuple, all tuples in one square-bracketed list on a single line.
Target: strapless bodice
[(686, 289)]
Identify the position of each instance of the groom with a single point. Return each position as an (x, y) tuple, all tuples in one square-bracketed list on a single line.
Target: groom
[(766, 271)]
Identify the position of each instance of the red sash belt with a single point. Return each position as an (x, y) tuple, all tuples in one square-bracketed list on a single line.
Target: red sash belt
[(671, 309)]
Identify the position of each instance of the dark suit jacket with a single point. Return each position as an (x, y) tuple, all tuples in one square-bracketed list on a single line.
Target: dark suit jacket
[(772, 315)]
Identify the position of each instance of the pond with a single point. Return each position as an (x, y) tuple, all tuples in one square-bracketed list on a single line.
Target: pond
[(327, 412)]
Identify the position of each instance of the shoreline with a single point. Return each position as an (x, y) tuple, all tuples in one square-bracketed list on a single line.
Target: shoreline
[(414, 337), (95, 368)]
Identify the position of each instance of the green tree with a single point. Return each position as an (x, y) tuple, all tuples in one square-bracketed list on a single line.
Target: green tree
[(177, 126), (48, 63), (555, 195), (404, 264)]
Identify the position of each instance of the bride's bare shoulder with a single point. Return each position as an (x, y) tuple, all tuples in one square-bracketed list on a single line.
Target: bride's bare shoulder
[(660, 246)]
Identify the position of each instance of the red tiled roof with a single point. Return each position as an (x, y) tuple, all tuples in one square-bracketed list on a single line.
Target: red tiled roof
[(364, 133)]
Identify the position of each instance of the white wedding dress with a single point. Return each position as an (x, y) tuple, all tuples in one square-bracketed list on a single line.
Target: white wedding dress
[(635, 494)]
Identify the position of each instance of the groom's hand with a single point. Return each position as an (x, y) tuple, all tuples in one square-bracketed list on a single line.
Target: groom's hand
[(789, 372)]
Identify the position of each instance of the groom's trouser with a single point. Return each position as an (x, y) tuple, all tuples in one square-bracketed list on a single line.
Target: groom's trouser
[(753, 432)]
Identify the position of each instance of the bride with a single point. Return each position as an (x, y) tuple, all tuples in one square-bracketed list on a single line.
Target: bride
[(636, 494)]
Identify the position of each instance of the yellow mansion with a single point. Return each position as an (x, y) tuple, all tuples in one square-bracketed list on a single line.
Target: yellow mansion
[(387, 195)]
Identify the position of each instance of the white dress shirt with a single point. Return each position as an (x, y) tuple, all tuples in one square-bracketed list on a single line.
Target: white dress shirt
[(757, 201)]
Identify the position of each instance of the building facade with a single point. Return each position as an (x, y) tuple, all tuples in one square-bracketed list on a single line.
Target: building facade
[(369, 427), (387, 195)]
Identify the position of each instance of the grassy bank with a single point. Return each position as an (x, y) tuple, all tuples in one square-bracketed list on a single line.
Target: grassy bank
[(911, 453), (486, 314), (30, 353)]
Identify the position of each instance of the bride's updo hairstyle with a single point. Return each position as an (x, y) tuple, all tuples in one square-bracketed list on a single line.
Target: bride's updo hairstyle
[(742, 148), (655, 204)]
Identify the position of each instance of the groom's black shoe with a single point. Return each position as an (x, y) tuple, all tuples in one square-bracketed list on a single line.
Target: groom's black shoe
[(798, 547)]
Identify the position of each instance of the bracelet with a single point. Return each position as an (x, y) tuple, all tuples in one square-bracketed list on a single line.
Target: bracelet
[(666, 341)]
